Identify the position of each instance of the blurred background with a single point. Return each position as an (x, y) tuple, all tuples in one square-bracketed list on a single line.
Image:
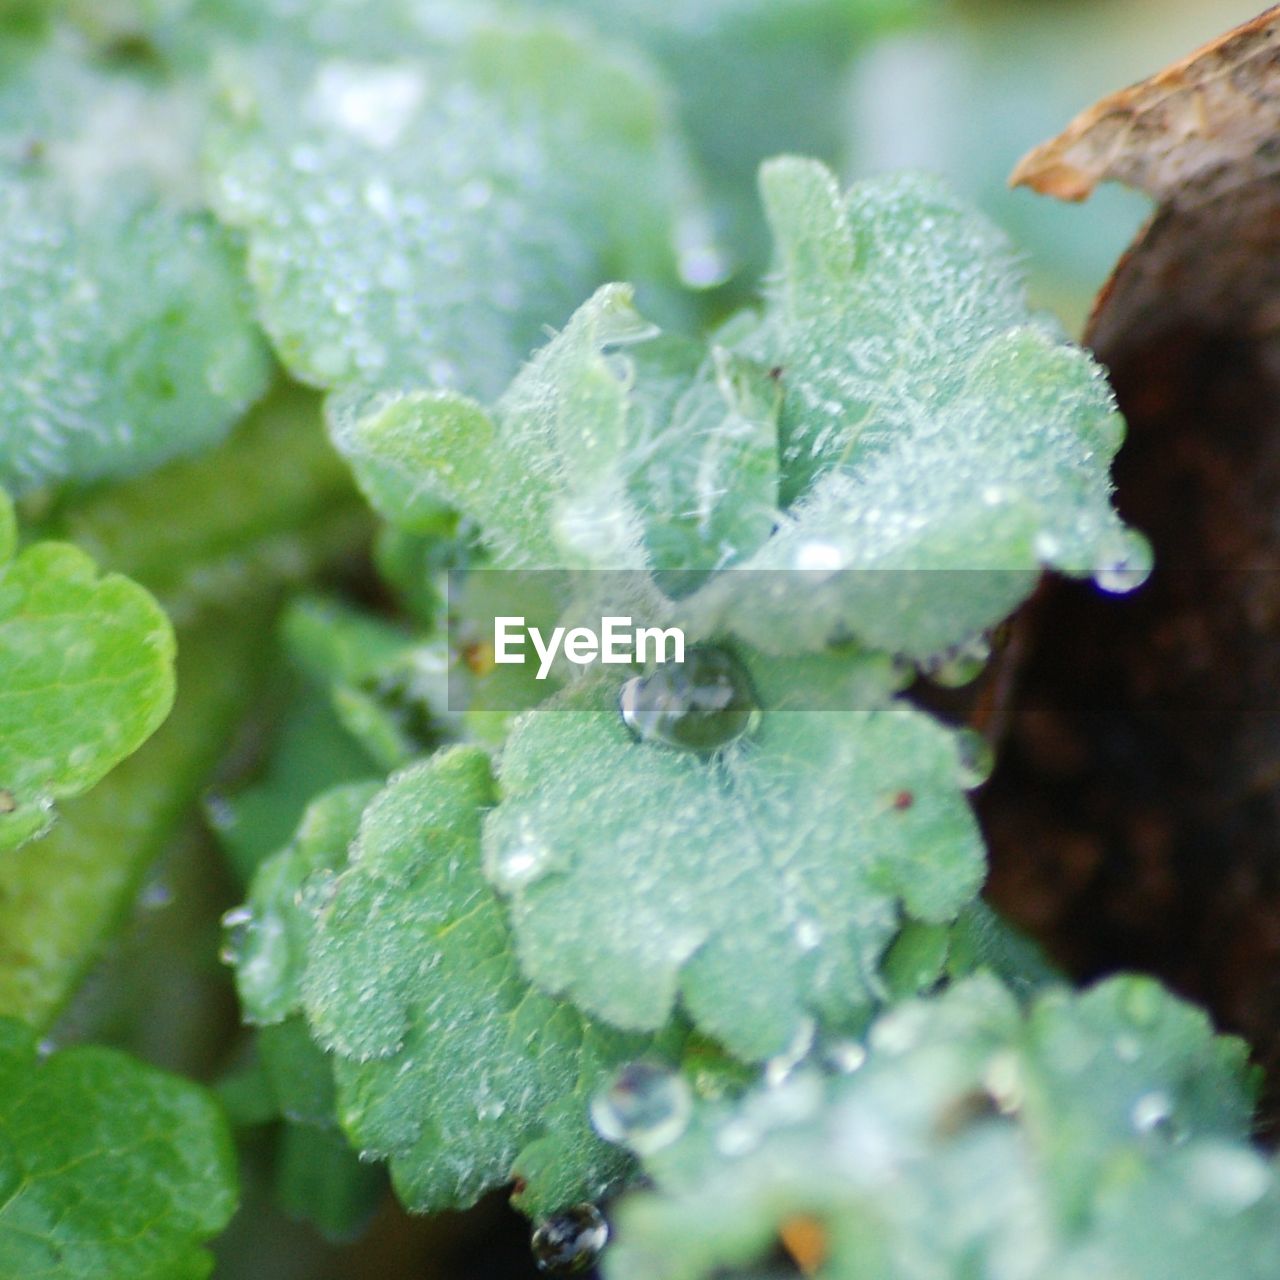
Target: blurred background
[(961, 89)]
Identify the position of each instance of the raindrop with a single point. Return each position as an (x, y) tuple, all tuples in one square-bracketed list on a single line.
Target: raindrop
[(1153, 1114), (237, 922), (779, 1068), (974, 758), (737, 1138), (701, 704), (1128, 567), (845, 1056), (569, 1243), (818, 557), (646, 1107)]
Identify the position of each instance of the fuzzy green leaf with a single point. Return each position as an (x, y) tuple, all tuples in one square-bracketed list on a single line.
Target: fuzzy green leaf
[(371, 186), (86, 676), (760, 885), (107, 1167), (271, 936), (446, 1061), (1103, 1134), (939, 442), (127, 336), (891, 452)]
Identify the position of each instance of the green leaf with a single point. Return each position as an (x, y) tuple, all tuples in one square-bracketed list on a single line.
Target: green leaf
[(544, 465), (128, 337), (760, 885), (86, 676), (593, 458), (320, 1180), (1103, 1134), (939, 442), (890, 453), (447, 1062), (64, 896), (107, 1167), (371, 180), (271, 506), (272, 934)]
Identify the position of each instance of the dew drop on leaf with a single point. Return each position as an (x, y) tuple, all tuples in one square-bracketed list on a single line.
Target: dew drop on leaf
[(237, 923), (568, 1243), (701, 704), (1127, 567), (646, 1107), (844, 1056), (975, 759), (779, 1068), (1153, 1114)]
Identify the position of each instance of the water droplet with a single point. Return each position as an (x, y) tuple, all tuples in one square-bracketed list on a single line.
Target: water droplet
[(974, 759), (646, 1107), (737, 1138), (813, 557), (1127, 567), (1153, 1114), (962, 665), (1047, 546), (1003, 1082), (237, 922), (519, 857), (845, 1056), (698, 258), (701, 704), (155, 896), (808, 934), (779, 1068), (569, 1243)]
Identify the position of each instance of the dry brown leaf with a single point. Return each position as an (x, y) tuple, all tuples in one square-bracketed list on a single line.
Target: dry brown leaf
[(1134, 821), (1203, 139)]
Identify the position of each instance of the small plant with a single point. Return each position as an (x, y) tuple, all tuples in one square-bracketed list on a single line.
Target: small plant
[(697, 948)]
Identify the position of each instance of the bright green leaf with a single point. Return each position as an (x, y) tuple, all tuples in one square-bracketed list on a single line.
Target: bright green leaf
[(447, 1061), (86, 676), (107, 1167)]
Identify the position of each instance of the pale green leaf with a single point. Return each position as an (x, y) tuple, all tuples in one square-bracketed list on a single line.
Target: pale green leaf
[(447, 1062), (370, 186), (271, 935), (891, 452), (752, 78), (127, 336), (1095, 1135), (939, 442), (759, 886), (108, 1168)]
